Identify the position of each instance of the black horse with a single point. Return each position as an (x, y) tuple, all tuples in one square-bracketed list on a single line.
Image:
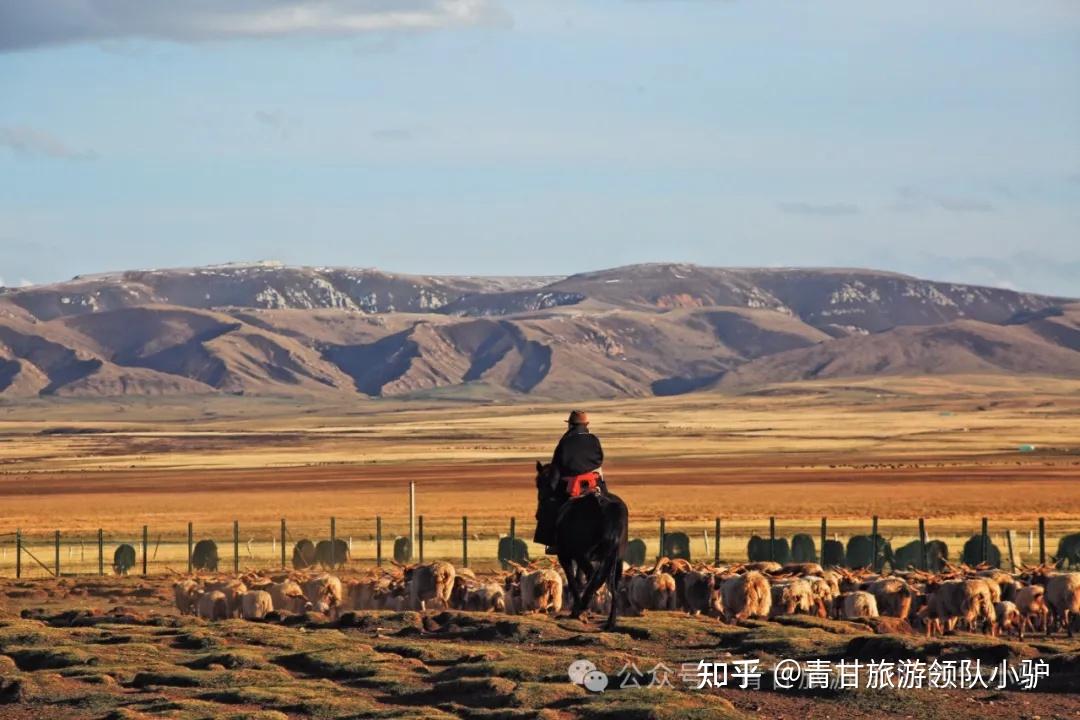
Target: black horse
[(591, 540)]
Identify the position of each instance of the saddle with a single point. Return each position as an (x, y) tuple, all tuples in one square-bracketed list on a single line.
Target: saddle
[(579, 486)]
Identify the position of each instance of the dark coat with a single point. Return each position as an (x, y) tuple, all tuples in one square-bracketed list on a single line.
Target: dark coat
[(578, 452)]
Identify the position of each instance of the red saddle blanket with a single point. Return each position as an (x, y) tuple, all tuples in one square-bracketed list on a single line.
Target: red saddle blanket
[(581, 485)]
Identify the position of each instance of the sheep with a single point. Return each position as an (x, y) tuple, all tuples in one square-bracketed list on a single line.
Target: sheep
[(746, 596), (1063, 599), (233, 589), (855, 604), (964, 600), (325, 594), (700, 593), (255, 604), (1031, 602), (489, 597), (434, 582), (893, 596), (1008, 618), (187, 594), (213, 605), (791, 597), (540, 591), (287, 595), (823, 593), (655, 591)]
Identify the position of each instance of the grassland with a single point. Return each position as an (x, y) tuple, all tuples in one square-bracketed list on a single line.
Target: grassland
[(112, 648), (944, 448)]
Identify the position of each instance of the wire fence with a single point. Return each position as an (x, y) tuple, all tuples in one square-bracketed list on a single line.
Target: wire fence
[(485, 543)]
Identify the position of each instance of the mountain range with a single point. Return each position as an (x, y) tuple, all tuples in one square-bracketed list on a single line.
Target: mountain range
[(640, 330)]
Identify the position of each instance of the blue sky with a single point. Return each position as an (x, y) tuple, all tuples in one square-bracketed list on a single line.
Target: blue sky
[(542, 137)]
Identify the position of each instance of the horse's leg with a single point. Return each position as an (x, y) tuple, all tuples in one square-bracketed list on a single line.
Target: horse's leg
[(597, 578), (566, 560), (613, 589)]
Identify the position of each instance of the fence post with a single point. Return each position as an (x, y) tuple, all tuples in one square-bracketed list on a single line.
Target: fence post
[(1042, 541), (18, 553), (922, 544), (190, 544), (378, 541), (716, 549), (412, 519), (100, 552), (663, 537), (464, 541), (57, 553), (513, 535), (420, 528), (985, 538), (145, 543), (772, 539), (333, 543), (1012, 550), (874, 535), (236, 547), (824, 532)]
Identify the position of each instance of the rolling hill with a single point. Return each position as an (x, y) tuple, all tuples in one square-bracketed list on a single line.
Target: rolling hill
[(640, 330)]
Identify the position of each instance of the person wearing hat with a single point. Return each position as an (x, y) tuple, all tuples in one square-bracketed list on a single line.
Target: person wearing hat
[(578, 458)]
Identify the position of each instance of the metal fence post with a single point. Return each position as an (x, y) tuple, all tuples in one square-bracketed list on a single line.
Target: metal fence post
[(824, 533), (236, 547), (283, 530), (1042, 541), (18, 553), (333, 538), (922, 544), (464, 541), (874, 535), (985, 539), (100, 552), (190, 545), (420, 528), (378, 541), (772, 538), (145, 543), (716, 549), (57, 553), (663, 539)]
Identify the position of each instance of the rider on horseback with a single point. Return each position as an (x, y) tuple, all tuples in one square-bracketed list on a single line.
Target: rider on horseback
[(578, 458)]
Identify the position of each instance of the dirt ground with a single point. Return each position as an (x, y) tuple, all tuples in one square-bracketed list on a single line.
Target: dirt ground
[(115, 648)]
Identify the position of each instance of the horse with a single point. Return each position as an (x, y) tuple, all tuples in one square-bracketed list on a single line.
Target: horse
[(591, 539)]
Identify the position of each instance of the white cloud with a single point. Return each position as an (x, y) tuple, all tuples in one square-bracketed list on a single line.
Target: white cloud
[(56, 22), (819, 209), (30, 141)]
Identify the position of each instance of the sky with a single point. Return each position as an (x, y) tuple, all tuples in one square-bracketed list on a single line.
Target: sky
[(939, 138)]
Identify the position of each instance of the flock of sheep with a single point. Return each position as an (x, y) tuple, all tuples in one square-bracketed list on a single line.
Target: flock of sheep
[(976, 599)]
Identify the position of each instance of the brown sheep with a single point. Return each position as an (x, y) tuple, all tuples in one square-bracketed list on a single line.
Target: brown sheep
[(967, 601), (701, 594), (893, 596), (823, 593), (791, 597), (1063, 599), (655, 591), (325, 594), (1031, 602), (1008, 619), (213, 606), (540, 591), (233, 589), (746, 596), (433, 582), (187, 594), (287, 596), (488, 597), (855, 604), (255, 604)]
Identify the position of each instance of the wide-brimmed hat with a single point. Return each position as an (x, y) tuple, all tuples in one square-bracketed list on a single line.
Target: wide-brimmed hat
[(578, 417)]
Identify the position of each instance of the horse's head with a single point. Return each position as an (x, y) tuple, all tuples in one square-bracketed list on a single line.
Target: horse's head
[(546, 474)]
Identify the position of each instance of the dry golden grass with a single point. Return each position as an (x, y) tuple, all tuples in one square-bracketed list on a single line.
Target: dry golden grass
[(941, 448)]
